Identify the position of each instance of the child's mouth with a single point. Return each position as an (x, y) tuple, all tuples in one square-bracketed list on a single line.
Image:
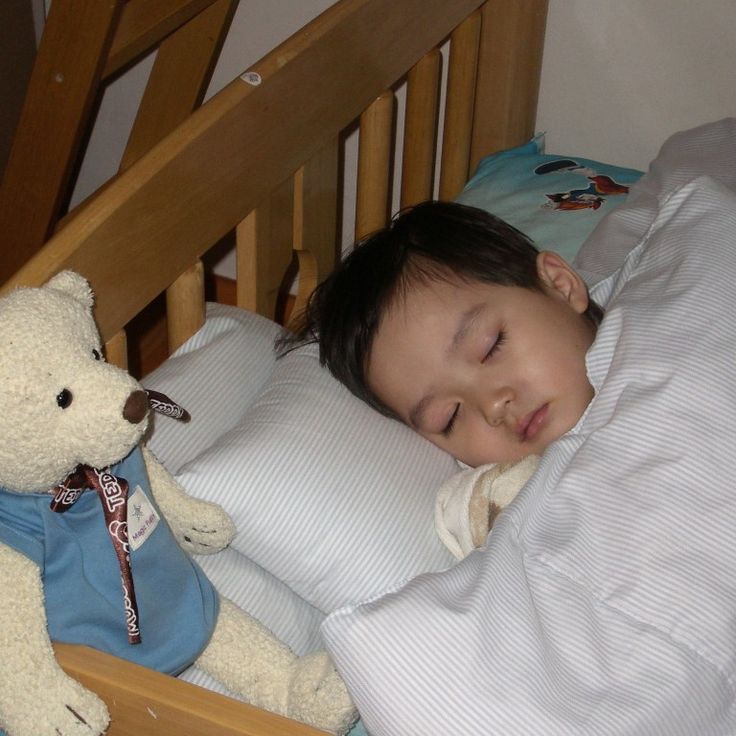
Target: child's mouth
[(530, 425)]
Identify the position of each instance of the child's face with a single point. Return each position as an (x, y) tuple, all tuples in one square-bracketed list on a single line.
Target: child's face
[(488, 373)]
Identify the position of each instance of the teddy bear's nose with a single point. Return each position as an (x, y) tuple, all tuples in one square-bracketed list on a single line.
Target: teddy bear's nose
[(136, 407)]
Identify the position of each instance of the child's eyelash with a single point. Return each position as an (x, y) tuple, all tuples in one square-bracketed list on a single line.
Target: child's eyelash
[(447, 430), (500, 339)]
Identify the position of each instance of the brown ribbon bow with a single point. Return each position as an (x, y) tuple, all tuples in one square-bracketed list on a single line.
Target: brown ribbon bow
[(113, 495)]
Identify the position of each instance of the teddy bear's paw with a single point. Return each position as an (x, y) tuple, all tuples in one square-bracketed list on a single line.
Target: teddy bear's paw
[(318, 695), (202, 527), (65, 707)]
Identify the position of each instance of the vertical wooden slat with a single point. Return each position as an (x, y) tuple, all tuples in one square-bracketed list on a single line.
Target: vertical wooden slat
[(179, 78), (116, 350), (309, 277), (185, 305), (315, 221), (374, 165), (420, 129), (509, 67), (176, 86), (459, 104), (60, 96), (247, 263), (264, 251)]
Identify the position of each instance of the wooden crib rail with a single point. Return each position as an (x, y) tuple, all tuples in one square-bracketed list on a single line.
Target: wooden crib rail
[(233, 156), (147, 703), (508, 36)]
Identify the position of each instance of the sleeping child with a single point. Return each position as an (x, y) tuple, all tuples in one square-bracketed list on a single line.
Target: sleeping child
[(603, 600), (468, 334)]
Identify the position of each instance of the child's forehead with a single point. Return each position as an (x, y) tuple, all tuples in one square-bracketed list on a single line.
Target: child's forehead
[(432, 281), (451, 288)]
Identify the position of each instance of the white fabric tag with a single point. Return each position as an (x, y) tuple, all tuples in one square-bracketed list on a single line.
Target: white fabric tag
[(142, 518)]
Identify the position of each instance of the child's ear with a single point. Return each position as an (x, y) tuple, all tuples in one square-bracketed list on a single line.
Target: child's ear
[(557, 275)]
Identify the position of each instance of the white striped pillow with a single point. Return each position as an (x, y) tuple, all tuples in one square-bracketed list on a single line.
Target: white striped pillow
[(215, 375), (327, 495)]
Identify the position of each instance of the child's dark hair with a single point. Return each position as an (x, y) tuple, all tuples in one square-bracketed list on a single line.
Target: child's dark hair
[(428, 241)]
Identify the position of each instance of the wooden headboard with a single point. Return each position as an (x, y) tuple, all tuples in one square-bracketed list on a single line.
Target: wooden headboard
[(261, 159)]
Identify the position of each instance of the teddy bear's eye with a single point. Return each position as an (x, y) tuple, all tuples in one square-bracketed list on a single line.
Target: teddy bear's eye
[(64, 398), (96, 355)]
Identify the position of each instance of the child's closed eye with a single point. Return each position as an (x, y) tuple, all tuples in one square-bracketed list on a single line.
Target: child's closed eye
[(497, 343), (447, 429)]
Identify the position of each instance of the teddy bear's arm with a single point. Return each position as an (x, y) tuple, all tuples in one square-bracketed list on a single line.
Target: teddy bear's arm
[(30, 675), (248, 659), (200, 527)]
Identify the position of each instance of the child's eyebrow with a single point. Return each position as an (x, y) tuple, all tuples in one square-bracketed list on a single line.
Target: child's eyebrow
[(467, 319)]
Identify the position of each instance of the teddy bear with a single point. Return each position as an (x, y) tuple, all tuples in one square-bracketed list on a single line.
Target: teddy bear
[(96, 539), (469, 501)]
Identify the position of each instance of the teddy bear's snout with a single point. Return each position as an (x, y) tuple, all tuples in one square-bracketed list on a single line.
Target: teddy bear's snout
[(136, 407)]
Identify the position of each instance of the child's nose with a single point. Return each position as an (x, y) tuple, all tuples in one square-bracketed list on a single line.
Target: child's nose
[(496, 405)]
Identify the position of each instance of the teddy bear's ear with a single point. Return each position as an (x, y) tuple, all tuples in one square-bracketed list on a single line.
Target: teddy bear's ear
[(73, 284)]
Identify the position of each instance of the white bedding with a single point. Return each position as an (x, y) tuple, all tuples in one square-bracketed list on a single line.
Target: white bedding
[(444, 654), (605, 600)]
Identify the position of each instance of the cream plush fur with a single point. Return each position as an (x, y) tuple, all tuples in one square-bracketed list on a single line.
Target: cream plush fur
[(468, 502), (48, 338)]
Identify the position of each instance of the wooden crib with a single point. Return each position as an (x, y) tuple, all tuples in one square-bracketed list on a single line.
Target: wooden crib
[(261, 160)]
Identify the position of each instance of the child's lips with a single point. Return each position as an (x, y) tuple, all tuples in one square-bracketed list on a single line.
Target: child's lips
[(528, 428)]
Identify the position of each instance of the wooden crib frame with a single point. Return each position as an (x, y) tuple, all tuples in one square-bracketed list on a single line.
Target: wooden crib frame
[(260, 159)]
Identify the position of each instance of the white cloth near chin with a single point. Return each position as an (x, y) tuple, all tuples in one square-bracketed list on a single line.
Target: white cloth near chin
[(468, 502)]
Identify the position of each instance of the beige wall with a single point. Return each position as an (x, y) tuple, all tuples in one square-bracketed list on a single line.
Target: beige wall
[(620, 75)]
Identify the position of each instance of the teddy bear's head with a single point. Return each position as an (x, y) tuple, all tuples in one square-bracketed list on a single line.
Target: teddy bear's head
[(61, 405)]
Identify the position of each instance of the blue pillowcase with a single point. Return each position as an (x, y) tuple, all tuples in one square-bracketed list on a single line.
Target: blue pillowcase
[(555, 200)]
